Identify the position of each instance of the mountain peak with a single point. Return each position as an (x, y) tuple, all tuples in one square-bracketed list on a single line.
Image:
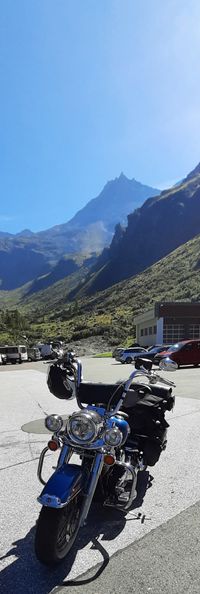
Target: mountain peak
[(25, 233), (121, 178)]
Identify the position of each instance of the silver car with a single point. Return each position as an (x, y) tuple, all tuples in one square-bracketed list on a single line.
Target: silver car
[(128, 355)]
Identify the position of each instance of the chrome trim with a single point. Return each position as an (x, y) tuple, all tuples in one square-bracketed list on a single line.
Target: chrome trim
[(133, 494), (50, 501), (40, 465), (118, 433), (65, 455), (90, 415), (96, 445), (79, 372), (133, 470), (53, 501), (57, 418), (94, 476)]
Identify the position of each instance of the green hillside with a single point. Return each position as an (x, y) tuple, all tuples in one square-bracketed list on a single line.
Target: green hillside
[(110, 313)]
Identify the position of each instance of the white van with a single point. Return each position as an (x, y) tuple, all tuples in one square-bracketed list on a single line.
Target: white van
[(15, 353), (34, 354), (50, 350)]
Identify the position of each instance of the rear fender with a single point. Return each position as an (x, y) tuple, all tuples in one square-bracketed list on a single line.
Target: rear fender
[(64, 484)]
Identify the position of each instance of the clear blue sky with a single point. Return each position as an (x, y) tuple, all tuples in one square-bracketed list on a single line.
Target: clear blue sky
[(90, 88)]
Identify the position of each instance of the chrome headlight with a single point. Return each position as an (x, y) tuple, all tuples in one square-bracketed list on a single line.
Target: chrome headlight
[(113, 437), (54, 423), (84, 426)]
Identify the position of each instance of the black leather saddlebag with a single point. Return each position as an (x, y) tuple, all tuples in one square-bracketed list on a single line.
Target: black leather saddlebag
[(148, 424)]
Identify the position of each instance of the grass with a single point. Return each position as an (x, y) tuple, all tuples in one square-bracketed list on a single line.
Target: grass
[(109, 354)]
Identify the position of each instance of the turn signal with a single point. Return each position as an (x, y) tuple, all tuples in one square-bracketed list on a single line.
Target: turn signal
[(109, 459), (53, 445)]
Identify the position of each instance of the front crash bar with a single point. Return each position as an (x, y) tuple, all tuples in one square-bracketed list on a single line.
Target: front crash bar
[(40, 465), (64, 457)]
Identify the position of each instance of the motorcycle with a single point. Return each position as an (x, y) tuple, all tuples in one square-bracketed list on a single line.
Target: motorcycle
[(118, 431)]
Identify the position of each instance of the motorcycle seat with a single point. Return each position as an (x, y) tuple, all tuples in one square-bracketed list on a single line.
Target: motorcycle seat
[(91, 393)]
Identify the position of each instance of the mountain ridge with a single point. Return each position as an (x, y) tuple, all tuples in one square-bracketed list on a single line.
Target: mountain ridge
[(27, 255), (154, 230)]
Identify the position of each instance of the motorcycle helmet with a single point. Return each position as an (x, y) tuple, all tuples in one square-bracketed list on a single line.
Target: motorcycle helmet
[(57, 382)]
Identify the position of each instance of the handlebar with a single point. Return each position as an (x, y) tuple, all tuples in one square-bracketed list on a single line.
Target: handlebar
[(74, 365), (163, 380), (152, 376)]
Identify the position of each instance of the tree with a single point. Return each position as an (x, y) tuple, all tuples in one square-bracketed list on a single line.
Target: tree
[(13, 323)]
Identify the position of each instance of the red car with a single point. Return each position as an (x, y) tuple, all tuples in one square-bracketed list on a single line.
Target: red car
[(186, 352)]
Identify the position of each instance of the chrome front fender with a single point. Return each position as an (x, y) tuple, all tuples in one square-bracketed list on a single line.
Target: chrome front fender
[(64, 484)]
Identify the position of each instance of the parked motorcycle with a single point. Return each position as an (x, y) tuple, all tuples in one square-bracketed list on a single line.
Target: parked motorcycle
[(119, 430)]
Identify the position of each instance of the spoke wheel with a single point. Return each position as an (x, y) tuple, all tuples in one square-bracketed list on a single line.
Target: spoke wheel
[(67, 529), (56, 532)]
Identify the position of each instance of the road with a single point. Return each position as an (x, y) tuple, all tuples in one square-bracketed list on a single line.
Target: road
[(152, 552)]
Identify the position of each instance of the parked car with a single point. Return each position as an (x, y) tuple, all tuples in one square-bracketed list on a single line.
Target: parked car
[(152, 351), (117, 350), (128, 355), (186, 352), (34, 354)]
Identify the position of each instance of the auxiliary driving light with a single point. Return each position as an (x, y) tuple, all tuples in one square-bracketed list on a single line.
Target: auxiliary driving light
[(53, 423), (113, 437)]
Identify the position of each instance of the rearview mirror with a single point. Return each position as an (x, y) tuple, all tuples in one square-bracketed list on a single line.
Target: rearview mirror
[(142, 362), (168, 365)]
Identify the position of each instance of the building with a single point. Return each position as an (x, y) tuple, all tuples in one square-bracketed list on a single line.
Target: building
[(168, 322)]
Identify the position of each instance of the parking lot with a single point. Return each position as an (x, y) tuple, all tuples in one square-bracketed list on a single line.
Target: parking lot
[(187, 379), (175, 483)]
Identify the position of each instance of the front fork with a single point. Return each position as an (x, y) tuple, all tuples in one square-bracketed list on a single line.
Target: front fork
[(91, 486)]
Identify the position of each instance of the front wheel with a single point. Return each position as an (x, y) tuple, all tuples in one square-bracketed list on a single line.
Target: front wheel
[(128, 360), (56, 532)]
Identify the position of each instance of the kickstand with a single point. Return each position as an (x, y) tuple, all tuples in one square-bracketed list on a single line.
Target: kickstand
[(140, 516)]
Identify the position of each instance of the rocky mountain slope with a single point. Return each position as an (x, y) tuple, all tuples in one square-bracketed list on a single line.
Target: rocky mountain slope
[(161, 225), (109, 314)]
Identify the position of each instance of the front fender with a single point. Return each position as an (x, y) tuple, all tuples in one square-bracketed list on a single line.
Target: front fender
[(64, 484)]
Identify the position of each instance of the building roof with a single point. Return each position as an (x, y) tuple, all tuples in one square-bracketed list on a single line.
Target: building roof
[(167, 308)]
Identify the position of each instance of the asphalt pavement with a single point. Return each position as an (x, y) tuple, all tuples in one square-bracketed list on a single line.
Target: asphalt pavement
[(155, 548)]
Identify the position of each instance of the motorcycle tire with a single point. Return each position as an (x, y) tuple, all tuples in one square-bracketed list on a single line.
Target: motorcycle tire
[(56, 532)]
